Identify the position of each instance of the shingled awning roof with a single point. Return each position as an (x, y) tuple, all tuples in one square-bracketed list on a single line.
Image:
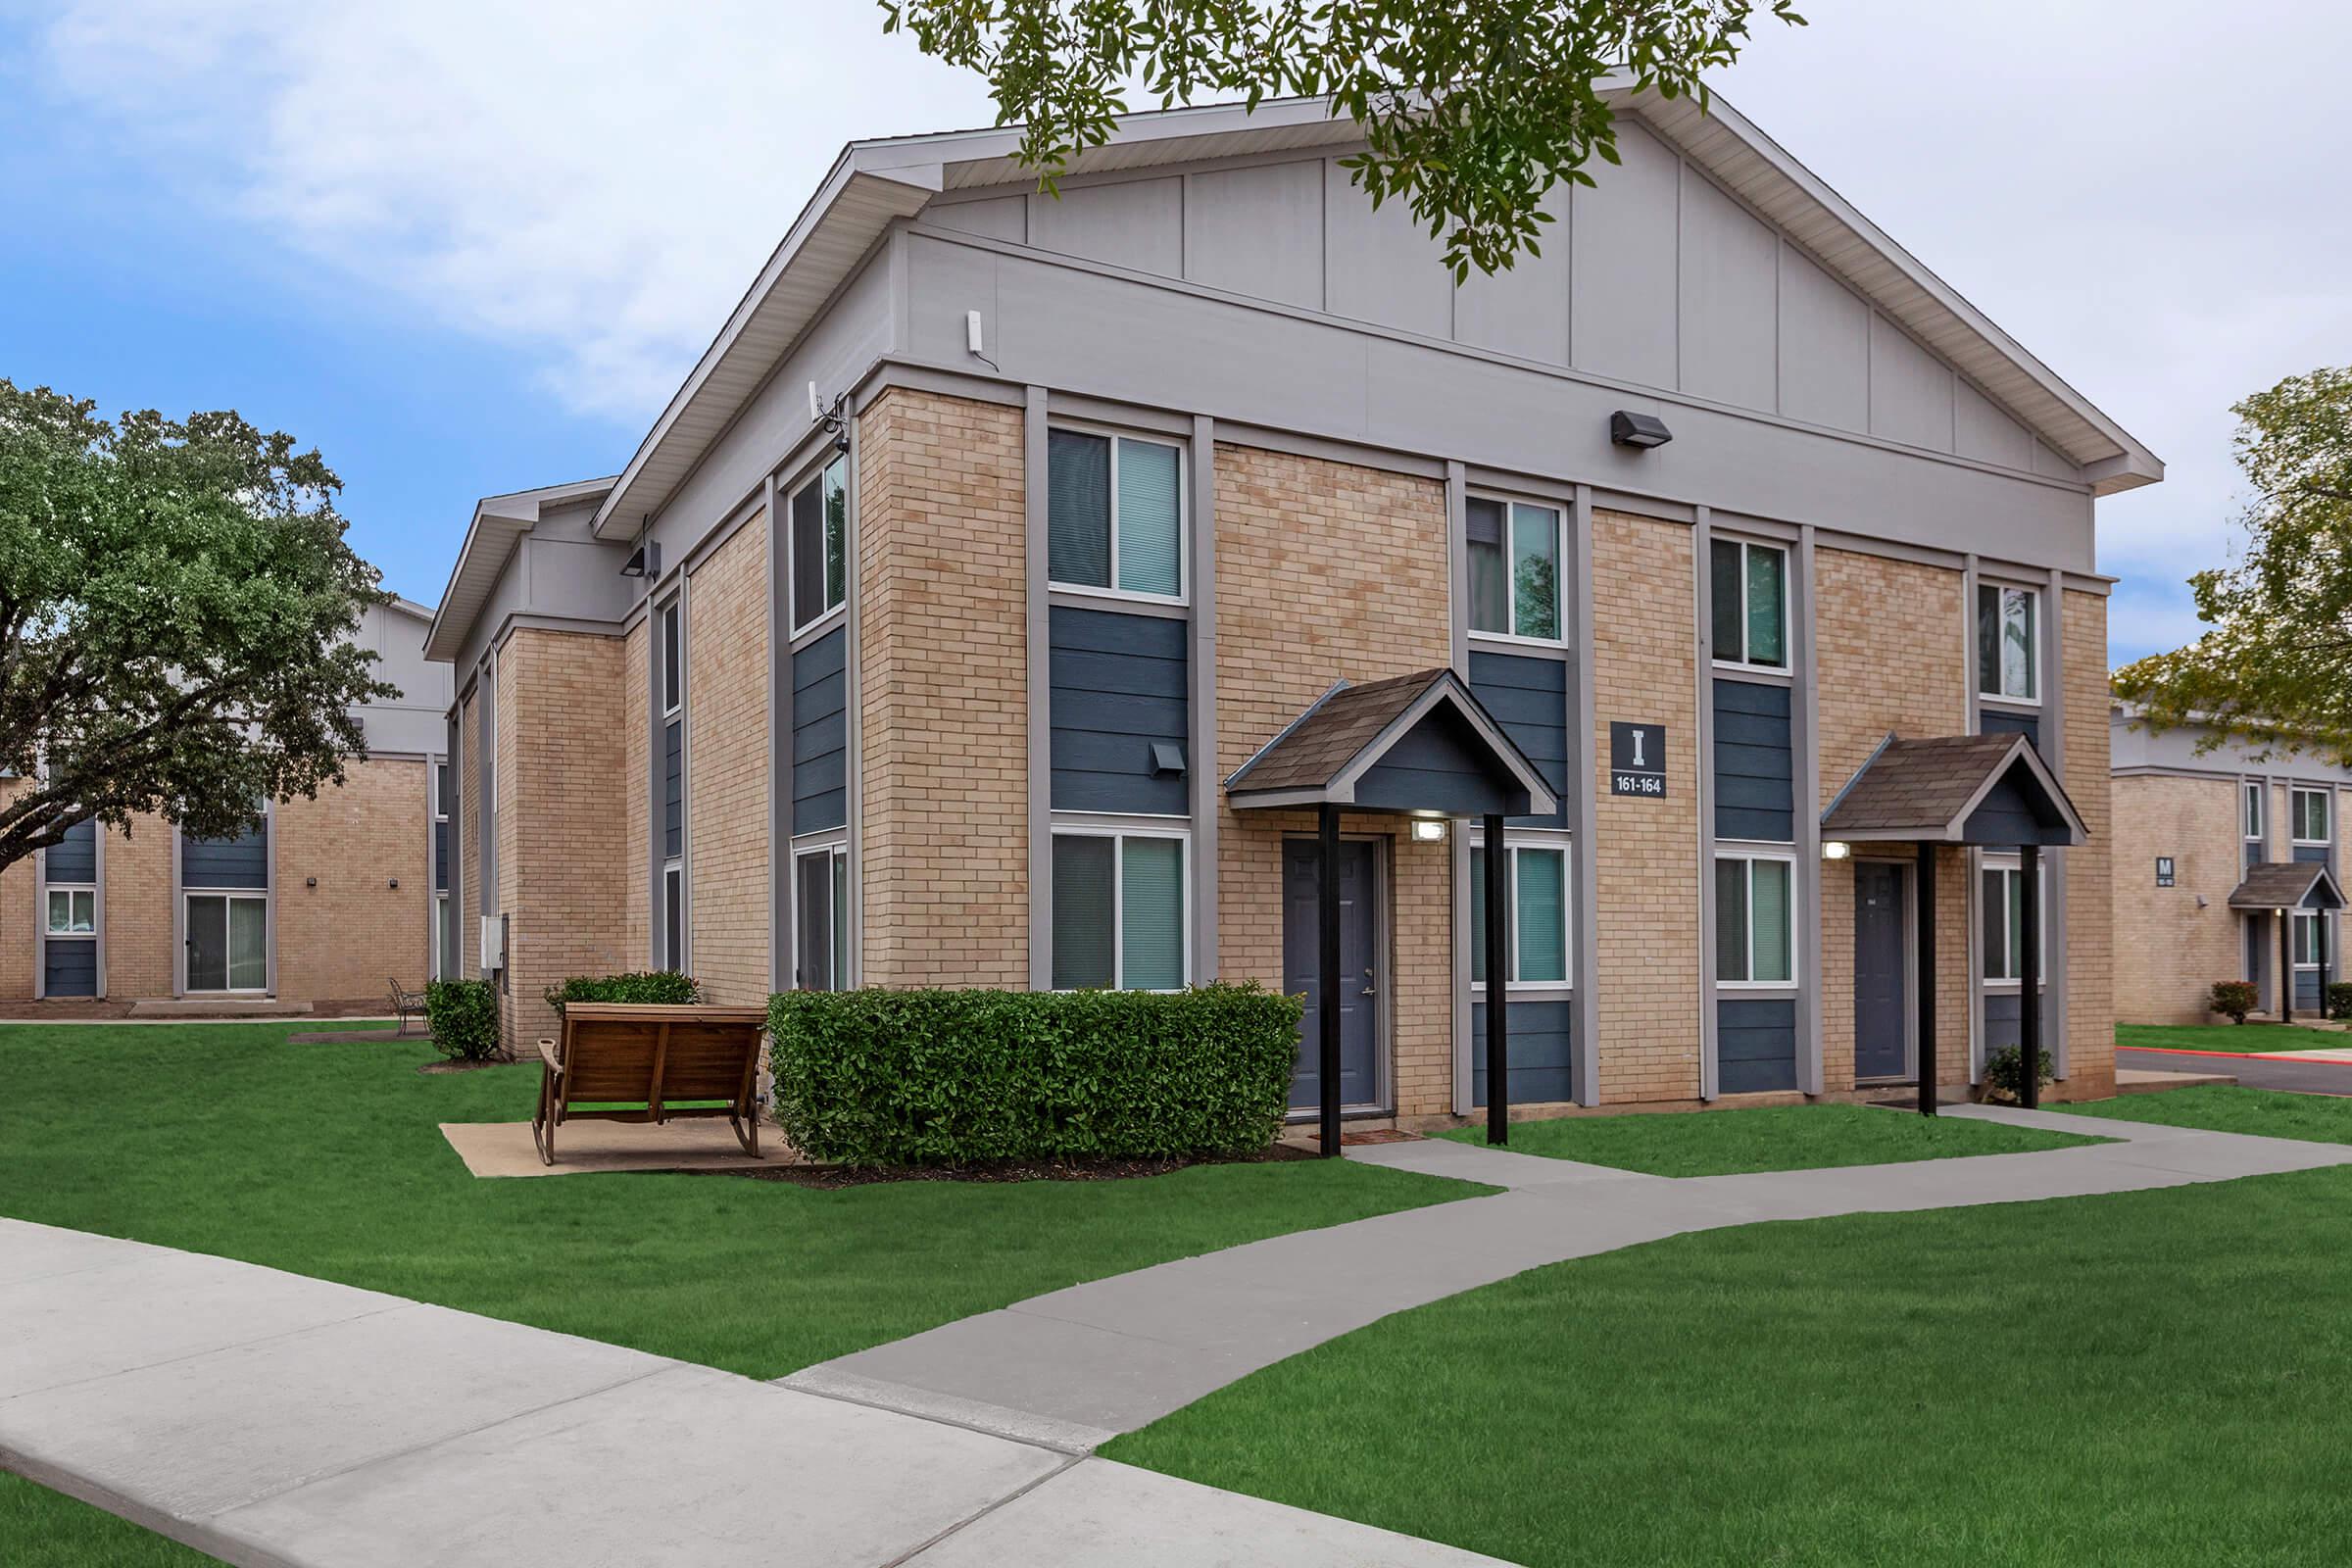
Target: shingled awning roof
[(2288, 885), (1413, 743), (1954, 789)]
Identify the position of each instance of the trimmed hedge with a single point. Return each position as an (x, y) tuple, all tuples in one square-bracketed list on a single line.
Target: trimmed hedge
[(462, 1016), (2339, 998), (949, 1077), (662, 987)]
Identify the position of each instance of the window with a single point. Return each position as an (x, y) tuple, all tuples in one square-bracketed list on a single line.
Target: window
[(2008, 642), (2307, 943), (673, 786), (442, 940), (673, 918), (228, 941), (1749, 586), (2002, 909), (2254, 789), (1118, 912), (1754, 920), (439, 958), (820, 526), (821, 918), (673, 659), (1538, 900), (1115, 513), (2307, 810), (1514, 550), (73, 911)]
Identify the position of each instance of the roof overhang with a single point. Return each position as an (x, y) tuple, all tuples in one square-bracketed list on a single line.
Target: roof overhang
[(1949, 779), (2288, 885), (1338, 782), (497, 526)]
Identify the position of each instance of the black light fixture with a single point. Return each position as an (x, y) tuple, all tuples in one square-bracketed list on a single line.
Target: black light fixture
[(1639, 432), (644, 563)]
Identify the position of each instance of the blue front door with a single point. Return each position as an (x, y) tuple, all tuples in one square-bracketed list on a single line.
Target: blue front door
[(1880, 994), (1359, 968)]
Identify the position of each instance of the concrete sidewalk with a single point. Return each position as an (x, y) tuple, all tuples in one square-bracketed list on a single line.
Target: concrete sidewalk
[(275, 1420), (1076, 1367)]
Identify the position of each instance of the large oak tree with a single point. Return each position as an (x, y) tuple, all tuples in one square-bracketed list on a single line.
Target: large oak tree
[(176, 604)]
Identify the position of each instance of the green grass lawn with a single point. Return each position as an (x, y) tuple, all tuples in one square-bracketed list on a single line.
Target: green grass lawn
[(45, 1528), (1723, 1143), (2231, 1037), (325, 1159), (2150, 1378), (2228, 1109)]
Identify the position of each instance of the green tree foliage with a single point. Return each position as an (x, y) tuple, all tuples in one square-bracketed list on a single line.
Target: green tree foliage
[(177, 604), (2275, 667), (1471, 110)]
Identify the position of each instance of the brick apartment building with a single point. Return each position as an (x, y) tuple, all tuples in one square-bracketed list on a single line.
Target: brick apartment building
[(991, 604), (328, 900), (2229, 865)]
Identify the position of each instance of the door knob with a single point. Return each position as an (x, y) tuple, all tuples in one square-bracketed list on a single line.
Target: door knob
[(1368, 988)]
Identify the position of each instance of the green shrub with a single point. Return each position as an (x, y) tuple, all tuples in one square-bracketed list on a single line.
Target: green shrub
[(463, 1015), (2339, 998), (949, 1077), (663, 987), (2005, 1073), (2233, 999)]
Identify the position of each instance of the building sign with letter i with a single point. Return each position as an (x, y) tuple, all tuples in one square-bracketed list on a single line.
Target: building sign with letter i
[(1637, 759)]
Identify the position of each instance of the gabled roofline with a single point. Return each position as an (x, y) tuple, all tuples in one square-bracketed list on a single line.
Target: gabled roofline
[(1443, 687), (1955, 830), (497, 523)]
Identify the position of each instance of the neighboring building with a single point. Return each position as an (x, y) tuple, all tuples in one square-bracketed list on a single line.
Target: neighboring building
[(927, 636), (2201, 838), (328, 900)]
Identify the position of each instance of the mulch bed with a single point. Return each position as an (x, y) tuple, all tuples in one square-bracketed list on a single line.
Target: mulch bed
[(830, 1177), (431, 1068)]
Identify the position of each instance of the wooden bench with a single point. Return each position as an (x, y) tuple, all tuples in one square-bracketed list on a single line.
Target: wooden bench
[(637, 1061)]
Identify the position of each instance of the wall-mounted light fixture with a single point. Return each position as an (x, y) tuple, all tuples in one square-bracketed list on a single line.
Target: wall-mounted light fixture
[(1429, 831), (310, 881), (395, 882), (1835, 851), (644, 563), (1639, 432)]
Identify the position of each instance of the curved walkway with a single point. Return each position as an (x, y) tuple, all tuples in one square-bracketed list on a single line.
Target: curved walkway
[(1074, 1368)]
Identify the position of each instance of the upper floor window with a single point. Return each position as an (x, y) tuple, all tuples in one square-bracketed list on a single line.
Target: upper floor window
[(1755, 919), (1514, 549), (1118, 910), (2308, 811), (674, 662), (820, 526), (1537, 895), (1115, 513), (2008, 642), (1751, 590), (2253, 809)]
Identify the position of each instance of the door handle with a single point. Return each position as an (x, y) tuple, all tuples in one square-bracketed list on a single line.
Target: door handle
[(1368, 988)]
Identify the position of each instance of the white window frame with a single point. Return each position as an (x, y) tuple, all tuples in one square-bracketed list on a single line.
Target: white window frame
[(834, 846), (1183, 518), (1515, 841), (2007, 866), (1076, 827), (2300, 918), (816, 474), (440, 933), (673, 893), (673, 866), (2251, 826), (1511, 578), (2295, 795), (2034, 697), (436, 774), (1750, 853), (72, 892), (1745, 545)]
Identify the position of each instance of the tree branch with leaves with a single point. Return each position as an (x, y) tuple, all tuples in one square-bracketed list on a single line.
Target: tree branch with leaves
[(1471, 110)]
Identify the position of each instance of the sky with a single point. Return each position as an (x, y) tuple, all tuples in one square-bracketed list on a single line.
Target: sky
[(471, 248)]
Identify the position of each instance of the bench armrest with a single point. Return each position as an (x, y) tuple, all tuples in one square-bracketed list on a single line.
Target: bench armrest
[(547, 1053)]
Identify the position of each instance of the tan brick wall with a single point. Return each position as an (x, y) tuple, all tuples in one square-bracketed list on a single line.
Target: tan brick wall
[(345, 938), (2090, 994), (943, 692), (138, 909), (2167, 950), (20, 920), (637, 827), (562, 873), (1887, 657), (726, 767), (1328, 570), (1644, 852)]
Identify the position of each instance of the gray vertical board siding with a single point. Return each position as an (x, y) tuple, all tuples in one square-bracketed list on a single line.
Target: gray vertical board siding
[(1823, 347), (1257, 231), (1728, 303), (1522, 310), (1910, 390), (1623, 269), (1529, 697), (1384, 267), (1136, 223), (74, 860), (1542, 1052), (1755, 768), (1119, 683), (1755, 1044), (1005, 218), (820, 734), (1983, 432), (1438, 765), (2001, 721), (239, 863), (69, 966)]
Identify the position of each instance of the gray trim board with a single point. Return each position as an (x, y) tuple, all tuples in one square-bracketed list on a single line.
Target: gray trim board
[(852, 665), (1804, 741), (1702, 606), (2053, 741), (1586, 1041), (1036, 421), (1203, 649), (779, 746)]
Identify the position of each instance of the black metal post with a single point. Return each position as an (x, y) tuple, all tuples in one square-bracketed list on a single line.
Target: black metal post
[(1327, 969), (2322, 917), (1925, 884), (2286, 967), (2028, 1011), (1498, 972)]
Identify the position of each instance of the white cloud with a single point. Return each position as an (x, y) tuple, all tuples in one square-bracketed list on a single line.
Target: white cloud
[(594, 182)]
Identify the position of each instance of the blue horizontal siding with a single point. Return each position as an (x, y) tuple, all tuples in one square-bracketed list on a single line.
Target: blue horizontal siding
[(820, 733), (1120, 683), (1529, 697), (238, 862), (2307, 854), (1995, 721), (441, 856), (2007, 817), (1755, 769), (69, 966), (1542, 1052), (1755, 1044), (77, 858)]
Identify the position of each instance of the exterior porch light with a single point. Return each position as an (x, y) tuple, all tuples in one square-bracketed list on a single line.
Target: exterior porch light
[(1639, 432), (1427, 830), (1834, 849)]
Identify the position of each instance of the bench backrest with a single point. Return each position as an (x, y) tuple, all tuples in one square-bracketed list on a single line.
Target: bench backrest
[(618, 1052)]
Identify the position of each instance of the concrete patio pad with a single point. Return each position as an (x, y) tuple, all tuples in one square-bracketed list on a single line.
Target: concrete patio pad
[(593, 1148)]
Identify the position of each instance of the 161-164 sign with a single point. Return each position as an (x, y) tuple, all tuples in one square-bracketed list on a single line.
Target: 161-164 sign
[(1637, 759)]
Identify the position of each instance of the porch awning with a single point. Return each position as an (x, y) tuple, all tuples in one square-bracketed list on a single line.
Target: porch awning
[(1414, 743), (2288, 885), (1954, 789)]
